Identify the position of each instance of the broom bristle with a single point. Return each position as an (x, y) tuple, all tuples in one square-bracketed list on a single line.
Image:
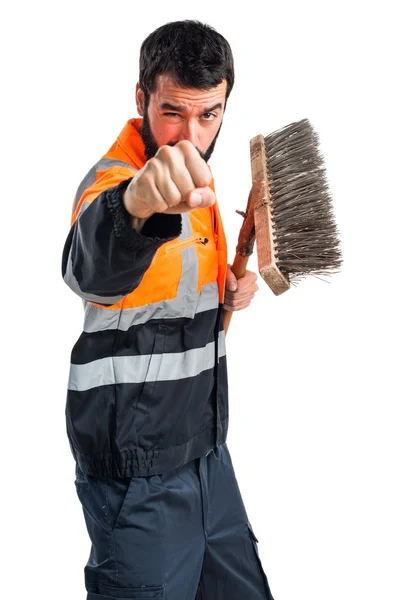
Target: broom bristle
[(305, 234)]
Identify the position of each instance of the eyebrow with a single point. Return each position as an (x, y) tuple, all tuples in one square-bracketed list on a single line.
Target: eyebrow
[(167, 106)]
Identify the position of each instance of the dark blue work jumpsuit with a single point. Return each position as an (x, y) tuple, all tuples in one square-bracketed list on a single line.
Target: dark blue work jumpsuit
[(183, 535)]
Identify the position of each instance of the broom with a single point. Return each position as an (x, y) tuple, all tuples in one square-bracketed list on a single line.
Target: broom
[(289, 211)]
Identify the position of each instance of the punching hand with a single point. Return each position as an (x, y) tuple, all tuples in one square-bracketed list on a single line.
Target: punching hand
[(174, 181)]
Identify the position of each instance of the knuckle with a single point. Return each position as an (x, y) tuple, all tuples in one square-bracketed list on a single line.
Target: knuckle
[(165, 152), (151, 163), (148, 175), (207, 175), (145, 180), (152, 167), (203, 181), (185, 146), (159, 206), (203, 175), (174, 198)]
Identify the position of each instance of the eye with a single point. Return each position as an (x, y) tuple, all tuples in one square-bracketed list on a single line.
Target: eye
[(209, 116), (170, 114)]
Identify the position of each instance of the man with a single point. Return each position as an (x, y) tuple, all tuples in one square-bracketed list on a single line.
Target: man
[(147, 408)]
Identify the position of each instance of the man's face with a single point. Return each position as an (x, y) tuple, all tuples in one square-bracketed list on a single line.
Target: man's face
[(175, 114)]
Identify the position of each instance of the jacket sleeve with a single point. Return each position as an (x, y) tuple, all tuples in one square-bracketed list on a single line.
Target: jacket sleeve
[(104, 258)]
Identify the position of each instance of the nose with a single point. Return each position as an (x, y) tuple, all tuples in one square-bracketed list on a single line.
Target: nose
[(190, 131)]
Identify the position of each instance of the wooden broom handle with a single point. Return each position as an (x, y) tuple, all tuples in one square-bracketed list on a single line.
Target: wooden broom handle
[(239, 270)]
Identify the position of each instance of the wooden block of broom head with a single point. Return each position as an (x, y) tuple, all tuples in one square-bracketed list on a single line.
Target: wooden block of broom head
[(296, 232), (261, 198)]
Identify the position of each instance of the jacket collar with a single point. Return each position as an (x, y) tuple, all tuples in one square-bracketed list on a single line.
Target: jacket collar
[(131, 142)]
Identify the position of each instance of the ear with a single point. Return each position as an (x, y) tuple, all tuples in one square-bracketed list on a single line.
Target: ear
[(139, 100)]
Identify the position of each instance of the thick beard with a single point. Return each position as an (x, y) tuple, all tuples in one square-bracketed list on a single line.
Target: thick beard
[(150, 145)]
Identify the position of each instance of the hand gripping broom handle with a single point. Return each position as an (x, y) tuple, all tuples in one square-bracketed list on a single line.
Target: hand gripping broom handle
[(239, 270)]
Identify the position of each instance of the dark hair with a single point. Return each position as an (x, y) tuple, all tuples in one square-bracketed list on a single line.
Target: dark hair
[(194, 54)]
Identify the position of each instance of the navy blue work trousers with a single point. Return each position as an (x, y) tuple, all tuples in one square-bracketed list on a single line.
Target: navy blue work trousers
[(183, 535)]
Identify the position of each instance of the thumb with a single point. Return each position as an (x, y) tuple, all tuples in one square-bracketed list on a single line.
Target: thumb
[(231, 282), (201, 197)]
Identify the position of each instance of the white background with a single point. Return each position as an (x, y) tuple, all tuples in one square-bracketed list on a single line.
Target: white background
[(313, 373)]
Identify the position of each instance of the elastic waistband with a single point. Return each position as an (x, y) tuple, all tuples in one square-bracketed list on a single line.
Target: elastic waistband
[(141, 463)]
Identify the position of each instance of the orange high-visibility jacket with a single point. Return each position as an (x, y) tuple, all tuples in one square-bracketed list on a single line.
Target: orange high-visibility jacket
[(147, 389)]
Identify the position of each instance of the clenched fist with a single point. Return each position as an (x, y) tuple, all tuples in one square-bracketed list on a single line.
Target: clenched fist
[(174, 181)]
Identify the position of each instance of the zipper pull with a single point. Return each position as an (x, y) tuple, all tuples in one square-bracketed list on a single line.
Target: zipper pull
[(187, 243)]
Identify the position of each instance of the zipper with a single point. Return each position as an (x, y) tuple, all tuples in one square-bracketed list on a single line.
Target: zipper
[(188, 242)]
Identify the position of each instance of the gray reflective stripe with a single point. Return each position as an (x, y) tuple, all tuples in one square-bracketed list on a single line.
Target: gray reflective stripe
[(221, 344), (106, 163), (100, 319), (137, 369), (90, 178), (82, 209), (85, 183), (187, 288), (208, 299)]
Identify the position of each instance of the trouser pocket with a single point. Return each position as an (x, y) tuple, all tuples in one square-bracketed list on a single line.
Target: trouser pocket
[(118, 494), (264, 577), (149, 592), (103, 499)]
